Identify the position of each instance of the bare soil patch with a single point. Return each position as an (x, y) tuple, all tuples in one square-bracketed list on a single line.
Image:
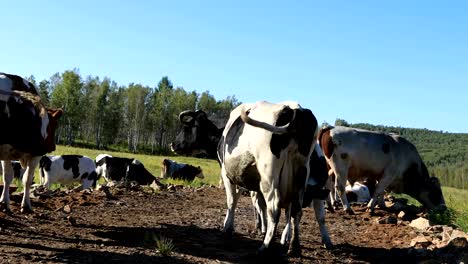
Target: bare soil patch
[(120, 227)]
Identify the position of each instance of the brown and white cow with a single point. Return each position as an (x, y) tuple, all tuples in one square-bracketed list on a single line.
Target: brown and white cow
[(29, 132), (355, 154), (266, 148)]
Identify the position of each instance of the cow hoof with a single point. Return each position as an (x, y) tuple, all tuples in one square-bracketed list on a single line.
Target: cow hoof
[(228, 233), (327, 244), (294, 252), (350, 211), (26, 210), (4, 208)]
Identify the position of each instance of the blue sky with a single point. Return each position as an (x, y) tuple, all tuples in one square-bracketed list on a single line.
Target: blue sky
[(400, 63)]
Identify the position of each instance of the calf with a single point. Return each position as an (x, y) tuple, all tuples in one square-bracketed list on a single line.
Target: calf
[(270, 155), (68, 169), (29, 132), (172, 169), (355, 154), (122, 169)]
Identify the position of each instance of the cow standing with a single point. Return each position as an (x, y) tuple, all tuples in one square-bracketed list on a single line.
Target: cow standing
[(68, 169), (270, 155), (356, 154), (29, 132), (199, 135)]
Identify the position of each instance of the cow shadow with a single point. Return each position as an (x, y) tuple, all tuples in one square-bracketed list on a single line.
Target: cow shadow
[(192, 240)]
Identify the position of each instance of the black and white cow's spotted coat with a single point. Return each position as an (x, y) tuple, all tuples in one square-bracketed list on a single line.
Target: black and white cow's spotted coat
[(270, 155), (68, 169), (117, 169)]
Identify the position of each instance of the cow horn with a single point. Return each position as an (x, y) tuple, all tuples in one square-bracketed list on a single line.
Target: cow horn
[(185, 113), (274, 129)]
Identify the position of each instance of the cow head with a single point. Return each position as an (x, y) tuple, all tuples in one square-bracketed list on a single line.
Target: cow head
[(431, 195), (425, 189), (53, 115), (165, 167), (198, 136)]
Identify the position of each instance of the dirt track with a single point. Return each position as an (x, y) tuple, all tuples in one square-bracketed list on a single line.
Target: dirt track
[(120, 228)]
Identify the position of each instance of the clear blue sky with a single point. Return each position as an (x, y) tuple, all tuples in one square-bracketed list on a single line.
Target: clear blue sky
[(401, 63)]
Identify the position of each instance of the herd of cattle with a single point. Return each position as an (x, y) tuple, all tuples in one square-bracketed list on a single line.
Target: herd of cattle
[(275, 151)]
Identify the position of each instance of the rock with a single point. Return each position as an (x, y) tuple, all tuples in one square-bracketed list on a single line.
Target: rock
[(420, 242), (67, 209), (387, 220), (401, 214), (435, 228), (461, 242), (458, 233), (420, 223)]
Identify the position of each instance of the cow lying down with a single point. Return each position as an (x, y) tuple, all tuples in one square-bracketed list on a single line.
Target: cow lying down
[(391, 160), (175, 170), (117, 169), (68, 169)]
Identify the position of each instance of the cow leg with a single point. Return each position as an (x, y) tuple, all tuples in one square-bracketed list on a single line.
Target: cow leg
[(7, 179), (331, 196), (320, 217), (28, 178), (272, 198), (296, 214), (259, 211), (340, 167), (380, 189), (286, 235), (232, 196)]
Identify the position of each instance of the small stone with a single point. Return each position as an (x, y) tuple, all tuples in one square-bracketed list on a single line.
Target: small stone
[(420, 223), (420, 241), (67, 209), (401, 214)]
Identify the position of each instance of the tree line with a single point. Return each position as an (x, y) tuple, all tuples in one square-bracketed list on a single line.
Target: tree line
[(99, 113), (445, 154)]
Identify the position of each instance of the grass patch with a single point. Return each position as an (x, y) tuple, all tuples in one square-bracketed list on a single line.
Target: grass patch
[(164, 245)]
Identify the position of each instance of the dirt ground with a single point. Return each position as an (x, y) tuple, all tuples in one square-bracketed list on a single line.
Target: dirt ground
[(121, 227)]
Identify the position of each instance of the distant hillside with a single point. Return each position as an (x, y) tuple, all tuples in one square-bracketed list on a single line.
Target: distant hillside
[(445, 154)]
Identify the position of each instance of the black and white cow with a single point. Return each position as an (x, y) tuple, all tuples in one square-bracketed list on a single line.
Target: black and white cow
[(197, 130), (18, 171), (122, 169), (175, 170), (28, 134), (68, 169), (266, 148), (199, 136)]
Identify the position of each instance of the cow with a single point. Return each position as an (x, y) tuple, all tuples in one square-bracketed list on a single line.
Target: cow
[(17, 169), (175, 170), (266, 148), (122, 169), (68, 169), (358, 193), (199, 134), (393, 161), (29, 132), (199, 137)]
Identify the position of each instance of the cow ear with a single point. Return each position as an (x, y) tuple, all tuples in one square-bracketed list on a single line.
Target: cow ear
[(201, 114)]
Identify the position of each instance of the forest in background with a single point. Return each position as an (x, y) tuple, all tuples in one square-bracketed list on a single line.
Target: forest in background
[(99, 113)]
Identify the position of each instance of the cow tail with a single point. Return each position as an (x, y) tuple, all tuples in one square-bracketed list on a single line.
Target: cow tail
[(41, 172)]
